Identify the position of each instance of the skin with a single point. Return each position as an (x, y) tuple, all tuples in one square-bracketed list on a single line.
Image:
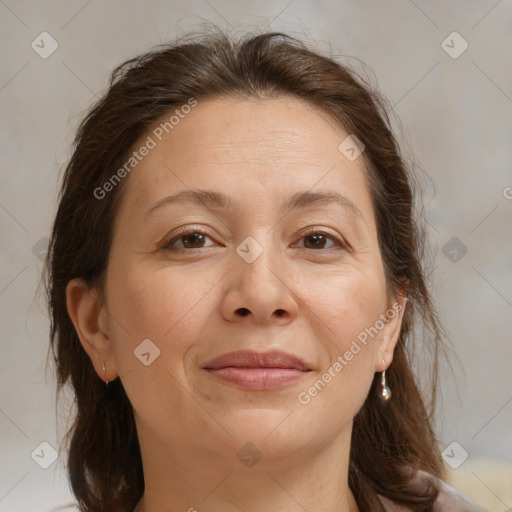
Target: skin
[(309, 300)]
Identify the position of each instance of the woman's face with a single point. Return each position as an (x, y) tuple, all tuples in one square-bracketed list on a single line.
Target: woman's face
[(276, 265)]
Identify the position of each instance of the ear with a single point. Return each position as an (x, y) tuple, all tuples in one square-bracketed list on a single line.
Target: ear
[(90, 319), (390, 333)]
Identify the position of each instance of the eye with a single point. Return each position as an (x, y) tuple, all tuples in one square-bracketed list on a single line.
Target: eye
[(318, 239), (190, 239), (195, 239)]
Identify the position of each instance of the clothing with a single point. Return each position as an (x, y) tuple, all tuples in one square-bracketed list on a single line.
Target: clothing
[(448, 500)]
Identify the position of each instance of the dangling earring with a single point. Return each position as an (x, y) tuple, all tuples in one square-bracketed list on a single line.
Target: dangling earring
[(385, 392), (104, 374)]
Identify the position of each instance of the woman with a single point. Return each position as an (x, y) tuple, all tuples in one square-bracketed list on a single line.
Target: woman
[(234, 279)]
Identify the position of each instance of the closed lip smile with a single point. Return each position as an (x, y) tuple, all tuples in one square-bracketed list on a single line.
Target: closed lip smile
[(258, 370)]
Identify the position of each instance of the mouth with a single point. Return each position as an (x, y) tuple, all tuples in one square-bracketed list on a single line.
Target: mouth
[(258, 371)]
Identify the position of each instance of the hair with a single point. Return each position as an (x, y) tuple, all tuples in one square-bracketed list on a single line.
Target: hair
[(390, 441)]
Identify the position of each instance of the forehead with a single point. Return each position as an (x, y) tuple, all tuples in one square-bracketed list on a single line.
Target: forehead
[(248, 148)]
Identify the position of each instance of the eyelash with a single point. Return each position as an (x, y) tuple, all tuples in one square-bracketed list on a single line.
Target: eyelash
[(190, 231)]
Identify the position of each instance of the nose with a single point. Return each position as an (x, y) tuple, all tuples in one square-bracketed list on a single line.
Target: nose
[(260, 292)]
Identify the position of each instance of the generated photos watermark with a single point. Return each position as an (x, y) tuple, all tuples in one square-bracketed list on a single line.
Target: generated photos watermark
[(305, 397), (150, 143)]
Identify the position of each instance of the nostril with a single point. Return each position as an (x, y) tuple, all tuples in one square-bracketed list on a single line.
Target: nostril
[(243, 311), (280, 312)]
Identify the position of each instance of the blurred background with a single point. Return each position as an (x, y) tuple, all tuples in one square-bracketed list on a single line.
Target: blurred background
[(443, 68)]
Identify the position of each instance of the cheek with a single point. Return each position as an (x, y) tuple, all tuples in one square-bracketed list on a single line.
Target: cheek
[(344, 305), (163, 305), (346, 310), (170, 309)]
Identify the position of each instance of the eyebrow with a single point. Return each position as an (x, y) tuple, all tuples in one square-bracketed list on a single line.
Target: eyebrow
[(216, 200)]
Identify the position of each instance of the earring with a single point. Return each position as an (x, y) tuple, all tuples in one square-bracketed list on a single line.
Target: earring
[(104, 374), (385, 392)]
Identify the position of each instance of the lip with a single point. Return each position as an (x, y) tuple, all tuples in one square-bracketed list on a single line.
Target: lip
[(253, 359), (256, 370)]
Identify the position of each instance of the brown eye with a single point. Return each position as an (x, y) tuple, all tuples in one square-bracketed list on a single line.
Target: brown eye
[(318, 240), (192, 239)]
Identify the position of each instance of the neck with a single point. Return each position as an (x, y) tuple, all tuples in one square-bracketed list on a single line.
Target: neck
[(313, 479)]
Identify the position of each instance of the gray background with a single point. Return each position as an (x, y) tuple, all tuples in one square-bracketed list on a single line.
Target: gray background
[(456, 119)]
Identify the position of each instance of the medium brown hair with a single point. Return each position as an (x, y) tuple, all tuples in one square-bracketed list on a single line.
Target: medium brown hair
[(104, 462)]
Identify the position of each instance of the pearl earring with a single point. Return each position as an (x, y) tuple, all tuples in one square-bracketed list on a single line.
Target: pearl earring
[(385, 392)]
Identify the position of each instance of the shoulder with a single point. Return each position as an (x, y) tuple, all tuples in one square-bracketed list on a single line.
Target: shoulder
[(449, 499), (70, 507)]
